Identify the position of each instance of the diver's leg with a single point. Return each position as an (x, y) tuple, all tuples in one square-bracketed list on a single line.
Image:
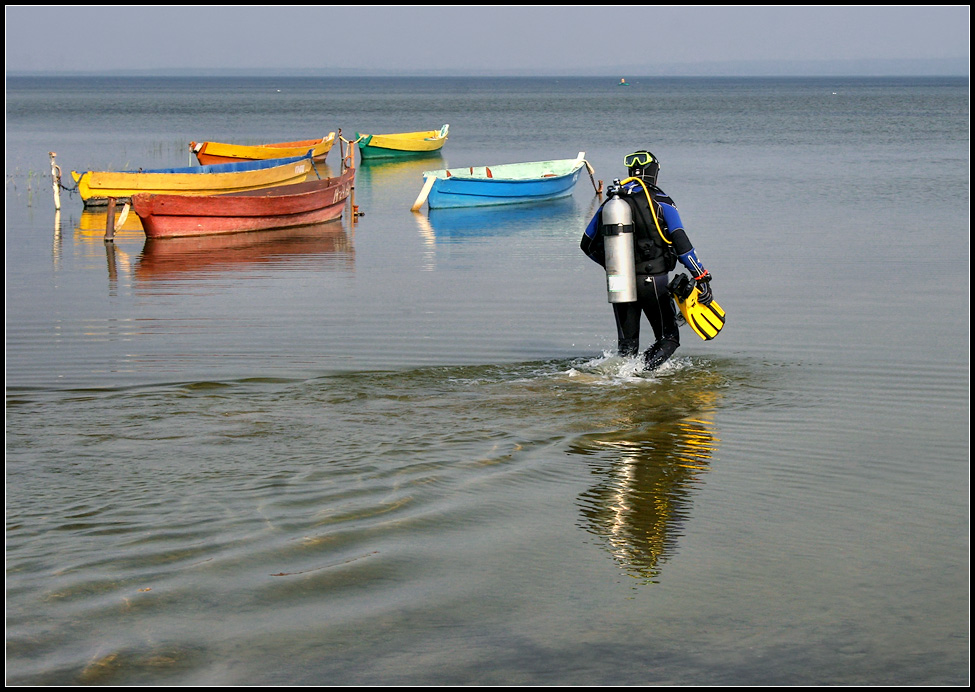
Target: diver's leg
[(627, 328), (659, 308)]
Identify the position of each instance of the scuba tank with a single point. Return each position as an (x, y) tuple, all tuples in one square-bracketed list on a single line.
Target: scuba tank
[(617, 230)]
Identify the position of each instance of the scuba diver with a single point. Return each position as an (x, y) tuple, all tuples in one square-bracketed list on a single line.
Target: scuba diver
[(638, 237)]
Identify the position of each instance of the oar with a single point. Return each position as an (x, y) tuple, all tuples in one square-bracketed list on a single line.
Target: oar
[(122, 217), (424, 193)]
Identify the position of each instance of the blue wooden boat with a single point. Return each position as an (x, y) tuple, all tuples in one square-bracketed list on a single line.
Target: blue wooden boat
[(508, 183)]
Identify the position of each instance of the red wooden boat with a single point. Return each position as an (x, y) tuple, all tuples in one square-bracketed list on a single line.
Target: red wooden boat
[(283, 206)]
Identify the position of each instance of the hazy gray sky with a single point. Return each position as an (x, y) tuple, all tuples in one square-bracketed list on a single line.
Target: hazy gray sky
[(478, 38)]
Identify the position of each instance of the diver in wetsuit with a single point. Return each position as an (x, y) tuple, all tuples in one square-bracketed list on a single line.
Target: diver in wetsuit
[(659, 243)]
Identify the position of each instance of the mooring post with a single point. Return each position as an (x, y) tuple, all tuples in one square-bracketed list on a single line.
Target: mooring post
[(55, 181), (110, 221)]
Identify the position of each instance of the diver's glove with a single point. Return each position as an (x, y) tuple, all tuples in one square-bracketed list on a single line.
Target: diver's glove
[(703, 284)]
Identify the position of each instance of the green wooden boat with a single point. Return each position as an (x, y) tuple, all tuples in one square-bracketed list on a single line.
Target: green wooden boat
[(401, 145)]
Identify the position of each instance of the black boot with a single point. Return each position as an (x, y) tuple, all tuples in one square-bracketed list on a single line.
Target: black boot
[(659, 353)]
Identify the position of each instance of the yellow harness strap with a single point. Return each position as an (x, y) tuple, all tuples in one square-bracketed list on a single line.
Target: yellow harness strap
[(653, 210)]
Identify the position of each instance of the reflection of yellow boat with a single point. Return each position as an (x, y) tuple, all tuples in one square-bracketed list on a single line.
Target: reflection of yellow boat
[(170, 258), (96, 187), (93, 226), (219, 152), (95, 221), (384, 175), (402, 144)]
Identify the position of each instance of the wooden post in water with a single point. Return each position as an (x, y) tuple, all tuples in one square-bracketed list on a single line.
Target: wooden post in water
[(112, 264), (55, 181), (347, 152), (110, 221)]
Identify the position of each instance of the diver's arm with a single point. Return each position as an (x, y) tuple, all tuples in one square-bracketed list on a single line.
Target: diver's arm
[(686, 252), (592, 242), (682, 244)]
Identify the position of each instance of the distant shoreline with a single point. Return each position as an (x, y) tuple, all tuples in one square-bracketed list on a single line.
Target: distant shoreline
[(634, 78), (931, 67)]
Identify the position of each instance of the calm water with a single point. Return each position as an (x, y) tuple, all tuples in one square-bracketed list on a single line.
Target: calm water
[(398, 450)]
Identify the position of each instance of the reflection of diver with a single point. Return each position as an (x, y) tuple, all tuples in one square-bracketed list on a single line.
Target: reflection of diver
[(644, 495)]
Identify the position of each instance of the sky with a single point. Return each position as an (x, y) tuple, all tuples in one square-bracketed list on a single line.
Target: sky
[(639, 40)]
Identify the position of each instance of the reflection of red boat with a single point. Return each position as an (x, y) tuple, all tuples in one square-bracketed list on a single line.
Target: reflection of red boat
[(171, 258), (283, 206)]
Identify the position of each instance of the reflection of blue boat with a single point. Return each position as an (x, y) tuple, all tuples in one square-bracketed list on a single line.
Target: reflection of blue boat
[(510, 183), (470, 222)]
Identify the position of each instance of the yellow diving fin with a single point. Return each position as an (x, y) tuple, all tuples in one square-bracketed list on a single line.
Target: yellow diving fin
[(706, 320)]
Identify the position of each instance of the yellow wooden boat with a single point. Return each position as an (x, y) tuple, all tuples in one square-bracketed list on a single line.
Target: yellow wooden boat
[(96, 187), (208, 153), (402, 144)]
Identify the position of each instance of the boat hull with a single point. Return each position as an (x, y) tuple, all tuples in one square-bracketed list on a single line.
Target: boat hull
[(503, 184), (401, 145), (208, 153), (285, 206), (96, 187)]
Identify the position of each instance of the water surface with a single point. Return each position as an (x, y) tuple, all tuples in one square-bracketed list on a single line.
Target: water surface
[(398, 449)]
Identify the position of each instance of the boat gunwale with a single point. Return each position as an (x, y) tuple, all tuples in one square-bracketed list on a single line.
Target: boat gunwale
[(233, 167), (463, 174)]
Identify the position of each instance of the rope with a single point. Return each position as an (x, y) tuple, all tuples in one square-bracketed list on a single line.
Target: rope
[(348, 159), (60, 184)]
